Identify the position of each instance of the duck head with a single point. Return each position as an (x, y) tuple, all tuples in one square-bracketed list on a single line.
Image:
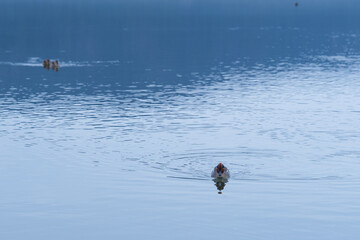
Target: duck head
[(220, 168)]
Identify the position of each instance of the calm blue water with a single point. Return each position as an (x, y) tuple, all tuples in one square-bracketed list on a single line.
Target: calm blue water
[(151, 95)]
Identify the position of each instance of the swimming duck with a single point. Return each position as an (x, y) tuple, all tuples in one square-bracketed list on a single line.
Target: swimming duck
[(46, 64), (55, 65), (220, 171)]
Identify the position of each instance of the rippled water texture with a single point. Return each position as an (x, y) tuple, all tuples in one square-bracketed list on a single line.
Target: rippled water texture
[(121, 141)]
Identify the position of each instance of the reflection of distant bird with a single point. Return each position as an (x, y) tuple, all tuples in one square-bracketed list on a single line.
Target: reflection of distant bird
[(296, 4), (220, 171)]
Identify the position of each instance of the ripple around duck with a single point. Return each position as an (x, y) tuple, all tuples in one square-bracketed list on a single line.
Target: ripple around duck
[(199, 164)]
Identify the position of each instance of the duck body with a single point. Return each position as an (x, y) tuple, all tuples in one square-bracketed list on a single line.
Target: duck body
[(220, 171), (46, 64), (55, 65)]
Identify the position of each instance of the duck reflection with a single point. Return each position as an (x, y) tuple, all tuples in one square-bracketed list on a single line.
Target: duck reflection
[(221, 175), (220, 183)]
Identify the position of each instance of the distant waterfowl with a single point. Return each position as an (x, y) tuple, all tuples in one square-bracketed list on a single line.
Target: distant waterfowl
[(296, 4), (220, 171), (46, 64), (53, 64)]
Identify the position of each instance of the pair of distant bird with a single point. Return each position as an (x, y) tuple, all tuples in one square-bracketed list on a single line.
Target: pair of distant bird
[(53, 64), (220, 171)]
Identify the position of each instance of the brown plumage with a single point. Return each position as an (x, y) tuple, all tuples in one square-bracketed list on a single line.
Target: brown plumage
[(53, 64), (220, 171), (46, 64)]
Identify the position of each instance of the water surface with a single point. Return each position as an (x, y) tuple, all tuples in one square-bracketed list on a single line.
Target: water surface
[(121, 141)]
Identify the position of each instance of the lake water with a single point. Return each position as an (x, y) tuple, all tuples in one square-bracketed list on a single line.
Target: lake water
[(151, 95)]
